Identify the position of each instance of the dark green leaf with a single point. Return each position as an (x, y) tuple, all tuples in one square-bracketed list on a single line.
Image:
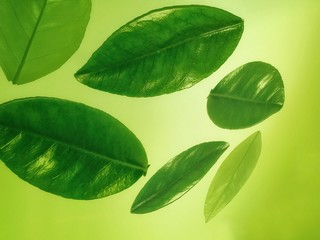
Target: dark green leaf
[(38, 36), (232, 175), (69, 149), (246, 96), (163, 51), (178, 176)]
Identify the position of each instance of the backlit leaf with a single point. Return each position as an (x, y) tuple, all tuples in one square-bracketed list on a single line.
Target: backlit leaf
[(163, 51), (232, 175), (68, 148), (177, 177), (38, 36), (246, 96)]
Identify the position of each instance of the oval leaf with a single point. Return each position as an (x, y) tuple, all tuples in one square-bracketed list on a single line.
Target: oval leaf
[(232, 175), (69, 149), (38, 36), (163, 51), (177, 177), (246, 96)]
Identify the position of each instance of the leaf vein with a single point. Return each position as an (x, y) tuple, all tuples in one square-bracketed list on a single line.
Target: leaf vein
[(158, 51), (28, 48), (242, 99), (85, 151)]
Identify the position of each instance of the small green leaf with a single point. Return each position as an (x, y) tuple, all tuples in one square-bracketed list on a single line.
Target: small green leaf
[(232, 175), (68, 148), (163, 51), (38, 36), (177, 177), (246, 96)]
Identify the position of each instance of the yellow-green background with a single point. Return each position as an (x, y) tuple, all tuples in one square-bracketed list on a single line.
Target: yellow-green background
[(280, 201)]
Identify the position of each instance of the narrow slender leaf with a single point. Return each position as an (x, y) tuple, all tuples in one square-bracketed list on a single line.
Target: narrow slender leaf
[(163, 51), (177, 177), (246, 96), (38, 36), (232, 175), (69, 149)]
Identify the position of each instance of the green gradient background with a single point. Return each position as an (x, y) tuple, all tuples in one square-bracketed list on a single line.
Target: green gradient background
[(281, 200)]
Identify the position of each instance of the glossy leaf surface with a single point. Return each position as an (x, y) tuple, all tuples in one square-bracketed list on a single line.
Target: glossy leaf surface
[(68, 148), (163, 51), (246, 96), (38, 36), (232, 175), (177, 177)]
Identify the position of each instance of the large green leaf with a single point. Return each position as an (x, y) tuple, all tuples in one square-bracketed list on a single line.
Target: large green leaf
[(69, 149), (178, 176), (232, 175), (163, 51), (38, 36), (246, 96)]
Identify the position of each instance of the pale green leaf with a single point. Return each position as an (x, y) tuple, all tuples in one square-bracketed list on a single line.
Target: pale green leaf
[(38, 36), (232, 175), (163, 51), (68, 148)]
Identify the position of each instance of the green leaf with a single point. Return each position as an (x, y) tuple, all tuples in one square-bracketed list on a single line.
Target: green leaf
[(163, 51), (38, 36), (232, 175), (68, 148), (177, 177), (246, 96)]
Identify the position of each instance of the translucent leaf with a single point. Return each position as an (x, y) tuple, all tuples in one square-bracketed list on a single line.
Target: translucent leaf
[(232, 175), (38, 36)]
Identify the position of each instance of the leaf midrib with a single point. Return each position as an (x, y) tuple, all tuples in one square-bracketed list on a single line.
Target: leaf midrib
[(242, 99), (27, 50), (233, 174), (85, 151), (158, 51)]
